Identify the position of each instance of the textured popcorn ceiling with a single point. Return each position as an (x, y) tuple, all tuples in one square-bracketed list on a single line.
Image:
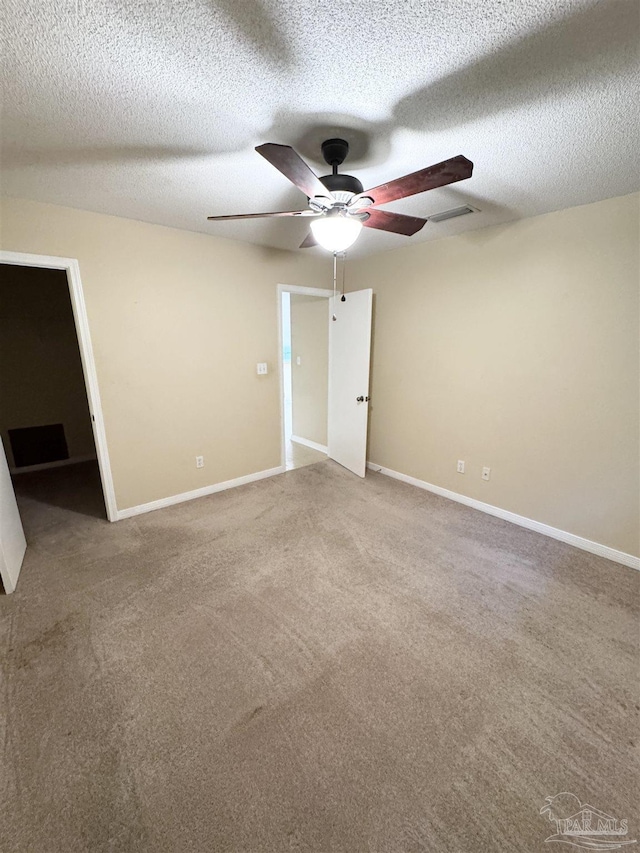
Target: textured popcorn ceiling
[(151, 109)]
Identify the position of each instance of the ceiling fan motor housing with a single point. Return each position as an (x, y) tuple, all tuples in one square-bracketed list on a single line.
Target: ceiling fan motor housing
[(342, 183)]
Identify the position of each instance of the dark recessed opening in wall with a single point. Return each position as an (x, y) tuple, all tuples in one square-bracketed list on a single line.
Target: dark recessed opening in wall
[(38, 445)]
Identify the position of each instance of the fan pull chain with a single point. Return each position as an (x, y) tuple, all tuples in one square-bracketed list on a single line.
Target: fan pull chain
[(335, 267), (344, 266)]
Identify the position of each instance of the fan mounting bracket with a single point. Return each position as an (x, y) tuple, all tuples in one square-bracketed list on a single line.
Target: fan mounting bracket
[(335, 151)]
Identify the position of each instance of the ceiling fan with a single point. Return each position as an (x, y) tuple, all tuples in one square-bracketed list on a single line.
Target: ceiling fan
[(338, 205)]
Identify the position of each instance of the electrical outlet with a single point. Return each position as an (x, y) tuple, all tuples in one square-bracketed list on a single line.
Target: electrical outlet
[(261, 368), (460, 468), (486, 473), (199, 461)]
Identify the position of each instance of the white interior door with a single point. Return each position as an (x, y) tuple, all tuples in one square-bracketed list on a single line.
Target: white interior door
[(349, 358), (12, 541)]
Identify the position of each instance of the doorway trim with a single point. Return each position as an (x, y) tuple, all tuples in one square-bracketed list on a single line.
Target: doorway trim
[(81, 320), (304, 291)]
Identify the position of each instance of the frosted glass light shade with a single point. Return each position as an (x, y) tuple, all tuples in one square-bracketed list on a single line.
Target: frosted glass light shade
[(336, 233)]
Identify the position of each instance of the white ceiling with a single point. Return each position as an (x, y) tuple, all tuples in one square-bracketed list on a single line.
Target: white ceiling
[(150, 109)]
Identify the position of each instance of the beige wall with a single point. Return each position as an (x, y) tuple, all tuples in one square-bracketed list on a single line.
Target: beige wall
[(178, 322), (41, 380), (309, 379), (516, 347)]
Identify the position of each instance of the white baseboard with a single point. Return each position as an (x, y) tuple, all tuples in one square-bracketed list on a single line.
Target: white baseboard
[(312, 444), (197, 493), (60, 463), (521, 520)]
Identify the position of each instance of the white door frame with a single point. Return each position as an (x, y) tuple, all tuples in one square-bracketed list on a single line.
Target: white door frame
[(304, 291), (72, 269)]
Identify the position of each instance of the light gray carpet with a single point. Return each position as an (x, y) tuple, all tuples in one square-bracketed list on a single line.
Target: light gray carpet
[(311, 663)]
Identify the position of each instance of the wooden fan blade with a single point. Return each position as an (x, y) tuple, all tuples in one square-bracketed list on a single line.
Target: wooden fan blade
[(292, 166), (448, 172), (384, 220), (258, 215), (309, 241)]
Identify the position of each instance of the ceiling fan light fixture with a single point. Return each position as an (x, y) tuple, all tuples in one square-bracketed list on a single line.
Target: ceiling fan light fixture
[(341, 205), (336, 232)]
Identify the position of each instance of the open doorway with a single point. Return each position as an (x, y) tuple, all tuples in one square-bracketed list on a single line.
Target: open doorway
[(51, 426), (45, 422), (304, 368)]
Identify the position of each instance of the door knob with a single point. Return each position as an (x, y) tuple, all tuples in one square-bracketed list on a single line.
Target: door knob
[(362, 399)]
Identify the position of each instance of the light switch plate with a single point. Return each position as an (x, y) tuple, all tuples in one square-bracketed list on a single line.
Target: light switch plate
[(262, 368)]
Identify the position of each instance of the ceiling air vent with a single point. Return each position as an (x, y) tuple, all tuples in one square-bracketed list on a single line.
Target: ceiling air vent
[(450, 214)]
